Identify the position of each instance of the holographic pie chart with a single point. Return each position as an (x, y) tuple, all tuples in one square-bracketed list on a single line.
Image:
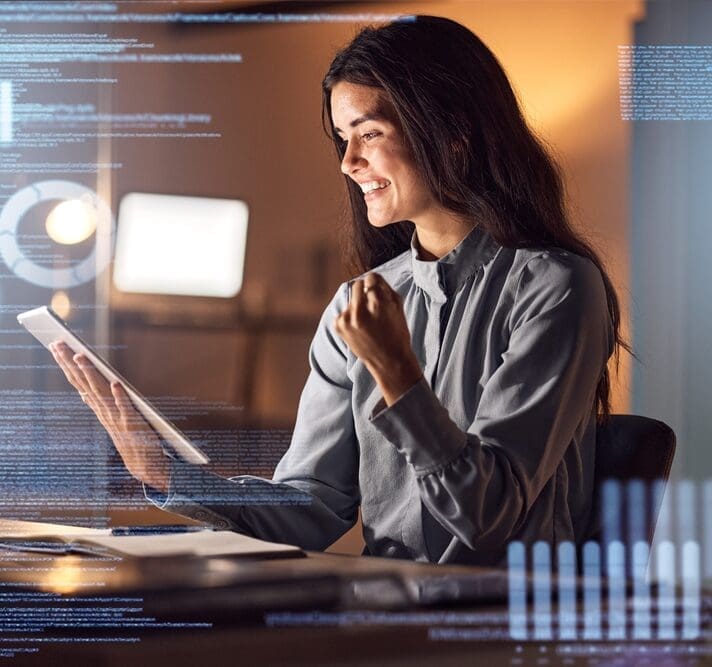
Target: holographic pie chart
[(55, 278)]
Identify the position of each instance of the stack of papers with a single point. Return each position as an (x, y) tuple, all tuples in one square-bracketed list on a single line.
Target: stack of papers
[(29, 535), (202, 543)]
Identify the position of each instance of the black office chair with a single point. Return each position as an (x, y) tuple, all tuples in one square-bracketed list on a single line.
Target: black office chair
[(630, 447)]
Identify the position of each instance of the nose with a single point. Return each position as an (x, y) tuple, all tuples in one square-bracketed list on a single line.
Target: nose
[(352, 159)]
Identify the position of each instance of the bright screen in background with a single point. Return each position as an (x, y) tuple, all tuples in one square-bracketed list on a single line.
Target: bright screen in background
[(190, 246)]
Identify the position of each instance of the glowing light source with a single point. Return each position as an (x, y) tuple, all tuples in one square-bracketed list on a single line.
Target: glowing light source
[(190, 246), (61, 304), (67, 576), (72, 221)]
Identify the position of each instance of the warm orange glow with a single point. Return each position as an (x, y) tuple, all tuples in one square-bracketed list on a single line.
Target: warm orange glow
[(71, 221), (66, 576), (61, 304)]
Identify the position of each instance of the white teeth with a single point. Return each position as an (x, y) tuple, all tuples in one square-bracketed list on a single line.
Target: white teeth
[(374, 185)]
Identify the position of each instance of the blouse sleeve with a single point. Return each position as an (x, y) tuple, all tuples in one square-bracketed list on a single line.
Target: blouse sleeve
[(313, 497), (480, 483)]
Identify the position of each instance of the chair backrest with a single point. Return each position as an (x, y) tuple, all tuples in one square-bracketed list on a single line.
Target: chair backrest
[(629, 447)]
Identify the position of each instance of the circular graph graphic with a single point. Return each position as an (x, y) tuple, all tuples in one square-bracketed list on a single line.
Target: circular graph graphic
[(23, 267)]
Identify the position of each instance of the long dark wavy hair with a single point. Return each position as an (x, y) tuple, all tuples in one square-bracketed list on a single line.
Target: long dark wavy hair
[(470, 142)]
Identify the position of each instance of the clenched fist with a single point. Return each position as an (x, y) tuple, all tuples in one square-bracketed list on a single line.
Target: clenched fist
[(374, 327)]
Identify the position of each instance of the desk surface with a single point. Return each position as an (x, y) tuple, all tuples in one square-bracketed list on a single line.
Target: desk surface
[(276, 611), (324, 609), (335, 575)]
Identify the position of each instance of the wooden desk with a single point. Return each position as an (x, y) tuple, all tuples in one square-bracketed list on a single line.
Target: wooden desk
[(324, 609), (320, 609)]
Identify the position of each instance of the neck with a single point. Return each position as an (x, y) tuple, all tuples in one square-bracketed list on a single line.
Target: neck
[(435, 241)]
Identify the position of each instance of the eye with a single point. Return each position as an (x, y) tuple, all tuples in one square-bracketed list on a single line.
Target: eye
[(370, 135)]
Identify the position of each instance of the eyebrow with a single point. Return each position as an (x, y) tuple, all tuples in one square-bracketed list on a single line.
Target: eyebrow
[(373, 115)]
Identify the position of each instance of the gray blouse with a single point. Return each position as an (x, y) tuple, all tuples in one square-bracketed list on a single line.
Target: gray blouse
[(495, 443)]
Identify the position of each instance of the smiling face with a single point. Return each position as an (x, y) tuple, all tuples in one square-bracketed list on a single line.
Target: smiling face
[(377, 157)]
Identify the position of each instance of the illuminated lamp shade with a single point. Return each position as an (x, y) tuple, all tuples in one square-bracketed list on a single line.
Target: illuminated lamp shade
[(72, 221), (187, 246)]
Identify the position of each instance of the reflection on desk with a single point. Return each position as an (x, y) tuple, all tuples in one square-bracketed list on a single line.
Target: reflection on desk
[(256, 585), (324, 609), (86, 607)]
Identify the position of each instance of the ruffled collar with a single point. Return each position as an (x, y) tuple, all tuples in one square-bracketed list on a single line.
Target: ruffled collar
[(441, 278)]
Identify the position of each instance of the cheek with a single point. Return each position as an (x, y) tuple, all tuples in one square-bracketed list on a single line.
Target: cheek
[(415, 187), (403, 168), (394, 156)]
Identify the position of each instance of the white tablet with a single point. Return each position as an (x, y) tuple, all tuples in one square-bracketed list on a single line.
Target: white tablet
[(47, 327)]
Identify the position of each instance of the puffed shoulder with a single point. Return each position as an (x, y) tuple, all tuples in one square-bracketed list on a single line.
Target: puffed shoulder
[(328, 352), (340, 299), (336, 305), (558, 279), (395, 271)]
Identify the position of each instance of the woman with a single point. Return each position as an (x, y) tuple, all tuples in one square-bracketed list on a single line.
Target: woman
[(454, 387)]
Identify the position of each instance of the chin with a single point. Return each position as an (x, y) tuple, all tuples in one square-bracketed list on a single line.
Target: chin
[(381, 221), (380, 224)]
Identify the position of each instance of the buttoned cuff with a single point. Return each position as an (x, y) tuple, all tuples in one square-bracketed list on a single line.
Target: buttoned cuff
[(420, 428), (184, 481)]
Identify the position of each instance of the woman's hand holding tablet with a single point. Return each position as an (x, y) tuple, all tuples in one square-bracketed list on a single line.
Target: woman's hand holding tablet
[(51, 331), (137, 443)]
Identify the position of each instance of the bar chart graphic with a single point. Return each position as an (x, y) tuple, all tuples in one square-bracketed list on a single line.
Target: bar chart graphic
[(641, 579)]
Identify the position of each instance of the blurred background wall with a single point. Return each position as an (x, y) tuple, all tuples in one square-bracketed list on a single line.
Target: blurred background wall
[(561, 58), (241, 363)]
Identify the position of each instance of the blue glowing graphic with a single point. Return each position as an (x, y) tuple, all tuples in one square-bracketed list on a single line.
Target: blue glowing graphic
[(567, 590), (591, 591), (542, 591), (5, 112), (630, 589), (516, 558), (11, 253), (641, 591), (616, 589)]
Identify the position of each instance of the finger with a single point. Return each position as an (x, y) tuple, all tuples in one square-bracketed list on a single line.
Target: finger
[(149, 456), (358, 299), (382, 288), (379, 289), (100, 414), (121, 398), (63, 367), (373, 302), (371, 281), (342, 320), (63, 356), (372, 292), (96, 380), (98, 387), (128, 413), (99, 409)]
